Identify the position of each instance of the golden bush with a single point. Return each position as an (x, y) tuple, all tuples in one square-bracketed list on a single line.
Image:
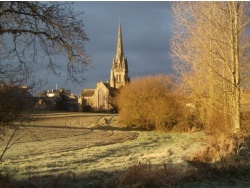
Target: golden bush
[(150, 103)]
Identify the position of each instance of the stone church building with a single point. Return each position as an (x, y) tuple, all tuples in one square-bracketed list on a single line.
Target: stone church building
[(101, 98)]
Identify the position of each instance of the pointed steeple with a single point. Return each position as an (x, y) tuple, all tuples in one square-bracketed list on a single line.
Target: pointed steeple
[(119, 72), (119, 47)]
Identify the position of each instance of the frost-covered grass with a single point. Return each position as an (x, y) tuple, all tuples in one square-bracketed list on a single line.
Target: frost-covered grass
[(89, 143)]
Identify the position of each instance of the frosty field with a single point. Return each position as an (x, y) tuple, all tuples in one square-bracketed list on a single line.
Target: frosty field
[(85, 144)]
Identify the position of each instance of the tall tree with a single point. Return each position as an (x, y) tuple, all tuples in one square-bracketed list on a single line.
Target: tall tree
[(210, 48), (35, 33), (62, 101)]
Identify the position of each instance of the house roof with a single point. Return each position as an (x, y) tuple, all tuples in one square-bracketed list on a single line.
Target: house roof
[(15, 91)]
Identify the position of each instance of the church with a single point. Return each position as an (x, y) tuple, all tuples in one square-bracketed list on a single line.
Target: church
[(102, 97)]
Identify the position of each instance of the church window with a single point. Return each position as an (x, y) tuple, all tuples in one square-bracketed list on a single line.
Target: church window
[(120, 78)]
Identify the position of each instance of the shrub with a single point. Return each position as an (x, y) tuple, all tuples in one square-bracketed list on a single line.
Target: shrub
[(158, 175), (6, 181), (225, 152), (144, 175), (150, 103)]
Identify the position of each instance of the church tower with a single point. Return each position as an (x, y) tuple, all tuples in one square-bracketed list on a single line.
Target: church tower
[(119, 72)]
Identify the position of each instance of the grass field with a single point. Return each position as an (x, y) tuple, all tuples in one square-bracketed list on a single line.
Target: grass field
[(90, 147)]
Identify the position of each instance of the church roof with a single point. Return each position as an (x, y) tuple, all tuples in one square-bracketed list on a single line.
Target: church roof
[(88, 92), (106, 84)]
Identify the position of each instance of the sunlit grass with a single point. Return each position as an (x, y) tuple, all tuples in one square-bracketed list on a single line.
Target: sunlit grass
[(85, 144)]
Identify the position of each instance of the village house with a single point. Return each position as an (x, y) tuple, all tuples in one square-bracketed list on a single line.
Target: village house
[(48, 100), (16, 103)]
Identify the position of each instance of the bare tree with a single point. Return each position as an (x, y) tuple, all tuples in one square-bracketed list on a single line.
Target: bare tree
[(210, 48), (34, 36), (34, 33)]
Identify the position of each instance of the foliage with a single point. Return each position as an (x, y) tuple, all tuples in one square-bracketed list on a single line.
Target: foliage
[(62, 102), (149, 103)]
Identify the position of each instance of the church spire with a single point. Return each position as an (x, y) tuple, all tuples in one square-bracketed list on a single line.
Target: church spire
[(119, 72), (119, 47)]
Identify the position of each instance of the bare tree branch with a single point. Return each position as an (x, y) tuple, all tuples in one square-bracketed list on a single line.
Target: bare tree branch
[(50, 28)]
